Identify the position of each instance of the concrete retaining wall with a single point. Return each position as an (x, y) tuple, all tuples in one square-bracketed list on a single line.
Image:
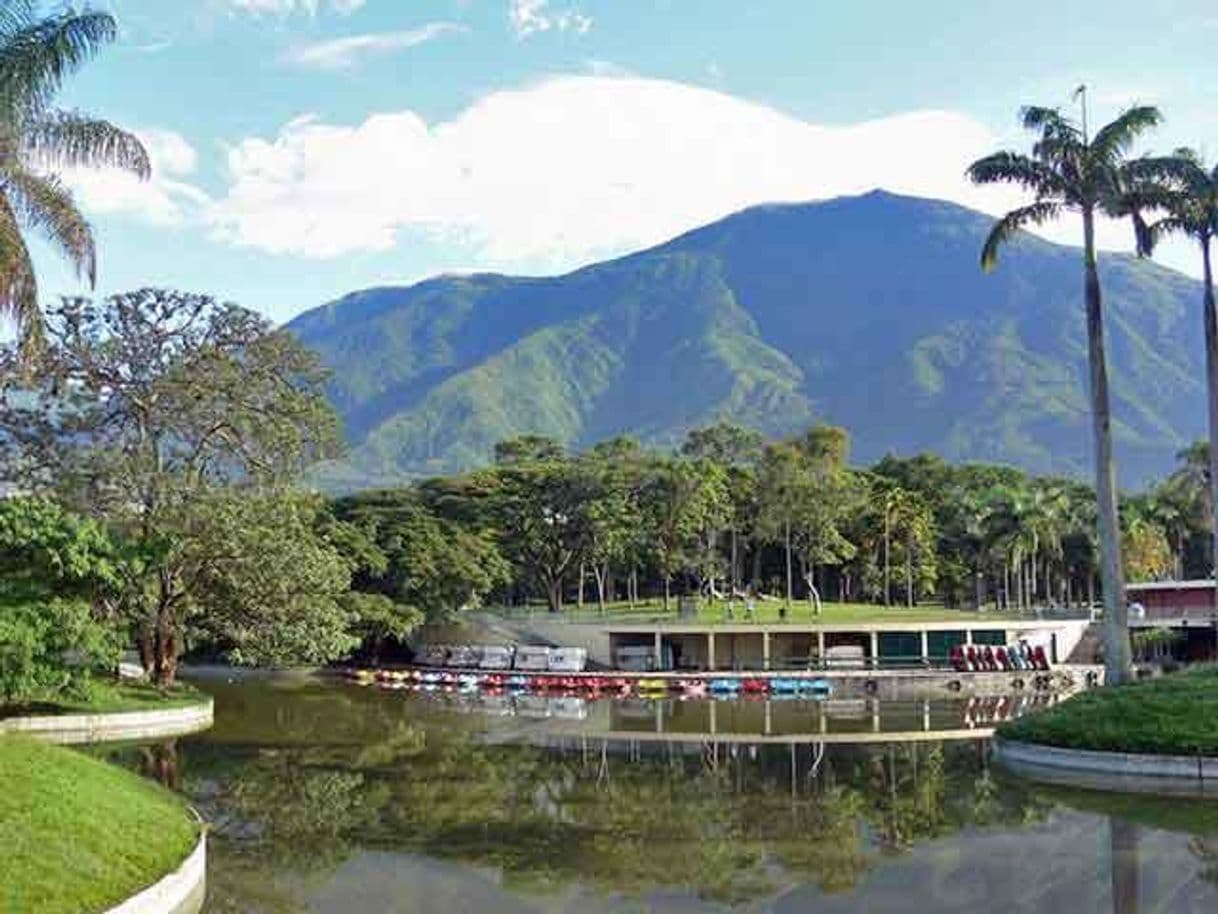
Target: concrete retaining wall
[(181, 892), (125, 725), (1110, 770)]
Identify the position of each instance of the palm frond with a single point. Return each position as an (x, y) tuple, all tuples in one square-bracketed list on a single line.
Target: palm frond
[(1011, 224), (1116, 137), (1015, 168), (35, 59), (15, 15), (1168, 225), (45, 205), (1047, 121), (18, 285), (67, 138)]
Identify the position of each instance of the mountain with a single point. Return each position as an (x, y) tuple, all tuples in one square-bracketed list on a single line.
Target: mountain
[(869, 312)]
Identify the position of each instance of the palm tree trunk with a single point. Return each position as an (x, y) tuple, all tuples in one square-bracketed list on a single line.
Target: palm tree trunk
[(1211, 368), (887, 593), (787, 544), (1118, 664), (909, 589)]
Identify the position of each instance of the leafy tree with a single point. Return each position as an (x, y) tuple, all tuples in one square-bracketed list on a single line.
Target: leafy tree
[(737, 449), (785, 494), (684, 501), (528, 449), (1071, 169), (147, 403), (36, 54), (264, 582), (540, 511), (55, 570), (433, 567)]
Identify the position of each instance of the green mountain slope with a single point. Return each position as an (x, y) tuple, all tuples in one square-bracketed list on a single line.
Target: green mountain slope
[(867, 311)]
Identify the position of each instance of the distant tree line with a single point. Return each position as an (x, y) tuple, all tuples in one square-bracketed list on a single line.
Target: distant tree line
[(732, 515)]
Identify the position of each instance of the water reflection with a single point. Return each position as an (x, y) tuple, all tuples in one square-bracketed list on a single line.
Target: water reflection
[(333, 799)]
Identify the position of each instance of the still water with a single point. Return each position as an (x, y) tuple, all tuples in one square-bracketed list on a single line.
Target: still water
[(336, 799)]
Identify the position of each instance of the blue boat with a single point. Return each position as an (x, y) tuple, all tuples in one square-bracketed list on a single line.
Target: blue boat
[(725, 685)]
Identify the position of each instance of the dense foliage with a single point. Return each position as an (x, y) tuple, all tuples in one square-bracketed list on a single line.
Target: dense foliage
[(179, 425), (731, 514), (53, 566)]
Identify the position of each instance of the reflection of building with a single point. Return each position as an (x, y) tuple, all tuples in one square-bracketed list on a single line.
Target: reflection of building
[(1187, 607)]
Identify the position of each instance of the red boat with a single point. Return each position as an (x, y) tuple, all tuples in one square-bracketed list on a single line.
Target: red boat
[(755, 686)]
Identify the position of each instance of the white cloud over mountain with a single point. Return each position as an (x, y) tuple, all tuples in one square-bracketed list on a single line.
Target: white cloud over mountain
[(550, 176), (343, 53), (570, 169)]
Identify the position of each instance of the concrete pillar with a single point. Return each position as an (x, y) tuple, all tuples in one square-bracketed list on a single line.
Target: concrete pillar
[(659, 649), (714, 719), (875, 650), (968, 636), (820, 649), (925, 647), (765, 650), (769, 723), (659, 717), (710, 658), (875, 716), (824, 719), (926, 715)]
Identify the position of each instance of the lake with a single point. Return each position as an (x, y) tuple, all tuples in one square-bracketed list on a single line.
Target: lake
[(332, 798)]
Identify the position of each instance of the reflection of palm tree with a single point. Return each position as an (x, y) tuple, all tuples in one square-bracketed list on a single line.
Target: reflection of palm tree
[(1123, 838), (1206, 851)]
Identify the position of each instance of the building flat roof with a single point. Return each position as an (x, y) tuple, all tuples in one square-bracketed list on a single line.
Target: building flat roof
[(778, 628), (1197, 584)]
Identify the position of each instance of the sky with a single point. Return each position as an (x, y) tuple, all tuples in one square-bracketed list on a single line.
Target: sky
[(304, 149)]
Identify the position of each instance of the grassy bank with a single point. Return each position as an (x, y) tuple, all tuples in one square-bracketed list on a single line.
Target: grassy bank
[(106, 696), (765, 611), (79, 835), (1169, 715)]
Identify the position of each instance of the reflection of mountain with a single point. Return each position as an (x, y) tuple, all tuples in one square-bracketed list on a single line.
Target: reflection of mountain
[(325, 799)]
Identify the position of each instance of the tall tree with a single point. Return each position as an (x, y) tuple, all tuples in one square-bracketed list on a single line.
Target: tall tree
[(147, 403), (37, 140), (1071, 170), (1190, 198)]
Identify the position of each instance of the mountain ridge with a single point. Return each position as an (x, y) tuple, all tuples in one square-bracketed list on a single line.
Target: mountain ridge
[(868, 311)]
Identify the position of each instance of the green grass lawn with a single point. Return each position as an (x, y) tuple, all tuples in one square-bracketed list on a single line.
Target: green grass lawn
[(766, 611), (78, 835), (1169, 715), (109, 696)]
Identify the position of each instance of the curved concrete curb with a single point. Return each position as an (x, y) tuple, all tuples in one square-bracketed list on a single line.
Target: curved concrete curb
[(1130, 771), (123, 725), (181, 892)]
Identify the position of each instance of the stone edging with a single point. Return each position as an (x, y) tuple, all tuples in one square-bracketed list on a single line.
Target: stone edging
[(181, 892), (1197, 770), (119, 725)]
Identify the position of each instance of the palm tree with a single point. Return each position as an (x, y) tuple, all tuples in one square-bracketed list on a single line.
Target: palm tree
[(1069, 170), (36, 140), (1189, 196)]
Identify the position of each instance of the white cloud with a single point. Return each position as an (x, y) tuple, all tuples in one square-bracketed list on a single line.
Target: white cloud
[(527, 17), (284, 7), (165, 199), (570, 169), (342, 53)]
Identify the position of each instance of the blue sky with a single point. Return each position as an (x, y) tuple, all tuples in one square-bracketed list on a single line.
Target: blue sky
[(307, 148)]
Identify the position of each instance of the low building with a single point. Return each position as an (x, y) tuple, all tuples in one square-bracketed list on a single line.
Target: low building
[(1188, 608)]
